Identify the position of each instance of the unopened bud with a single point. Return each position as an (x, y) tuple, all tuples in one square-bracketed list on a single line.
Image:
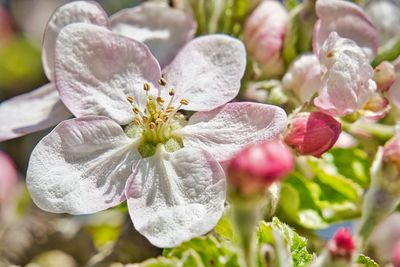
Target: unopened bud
[(312, 133), (264, 34), (384, 76), (8, 177), (256, 167), (391, 152), (342, 245)]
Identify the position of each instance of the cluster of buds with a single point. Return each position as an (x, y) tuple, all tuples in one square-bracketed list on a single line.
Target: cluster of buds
[(255, 168), (312, 133)]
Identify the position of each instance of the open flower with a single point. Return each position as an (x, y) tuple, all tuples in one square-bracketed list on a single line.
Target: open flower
[(167, 168), (347, 77), (42, 107)]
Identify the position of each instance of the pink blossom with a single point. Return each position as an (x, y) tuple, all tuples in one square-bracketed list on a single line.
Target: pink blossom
[(342, 244), (8, 177), (303, 78), (347, 82), (131, 143), (256, 167), (42, 108), (264, 34), (349, 21), (312, 133)]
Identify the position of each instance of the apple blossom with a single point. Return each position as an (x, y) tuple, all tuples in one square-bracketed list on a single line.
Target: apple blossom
[(312, 133), (167, 168), (303, 78), (264, 32), (255, 168), (42, 107), (349, 21), (347, 82)]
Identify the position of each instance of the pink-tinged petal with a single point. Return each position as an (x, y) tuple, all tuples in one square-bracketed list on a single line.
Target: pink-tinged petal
[(303, 78), (8, 177), (394, 93), (347, 82), (225, 130), (31, 112), (163, 29), (96, 70), (173, 197), (81, 167), (349, 21), (207, 71), (78, 11)]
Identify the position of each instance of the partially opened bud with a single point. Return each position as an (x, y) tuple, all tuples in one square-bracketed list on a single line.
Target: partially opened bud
[(391, 152), (384, 76), (255, 168), (264, 33), (312, 133), (342, 245), (376, 108)]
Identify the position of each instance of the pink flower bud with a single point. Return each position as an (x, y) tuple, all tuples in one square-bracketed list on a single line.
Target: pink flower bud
[(342, 245), (391, 151), (264, 33), (256, 167), (303, 77), (384, 76), (8, 177), (312, 133), (396, 255)]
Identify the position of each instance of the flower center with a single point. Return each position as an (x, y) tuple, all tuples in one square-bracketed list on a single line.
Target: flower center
[(156, 123)]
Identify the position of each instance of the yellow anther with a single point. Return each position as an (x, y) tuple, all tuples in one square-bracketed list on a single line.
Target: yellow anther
[(137, 121), (330, 54), (146, 87), (145, 119), (162, 82), (136, 110), (184, 102), (152, 125), (130, 99), (170, 109), (160, 100), (171, 92), (180, 116), (159, 121)]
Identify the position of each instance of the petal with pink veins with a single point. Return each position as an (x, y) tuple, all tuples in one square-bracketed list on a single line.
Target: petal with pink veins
[(226, 130), (349, 21), (173, 197), (207, 72), (81, 167), (78, 11), (96, 70), (31, 112), (163, 29)]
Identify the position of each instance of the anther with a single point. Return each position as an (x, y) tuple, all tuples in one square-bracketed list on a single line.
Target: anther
[(145, 119), (136, 110), (184, 102), (329, 54), (146, 87), (160, 100), (130, 99), (159, 121), (170, 109), (162, 82), (152, 125), (171, 92), (137, 121)]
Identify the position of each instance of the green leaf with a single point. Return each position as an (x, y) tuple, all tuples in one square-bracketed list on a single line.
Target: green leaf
[(290, 4), (161, 262), (296, 245), (224, 226), (367, 261)]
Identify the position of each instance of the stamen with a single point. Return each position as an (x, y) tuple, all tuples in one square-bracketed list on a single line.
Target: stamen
[(171, 92), (160, 101), (162, 82), (170, 109), (136, 110), (159, 121), (146, 87), (329, 54), (130, 99), (152, 125), (137, 121), (184, 102), (145, 119)]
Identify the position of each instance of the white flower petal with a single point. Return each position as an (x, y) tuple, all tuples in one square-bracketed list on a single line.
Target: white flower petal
[(225, 130), (78, 11), (163, 29), (31, 112), (207, 71), (96, 70), (81, 167), (173, 197)]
